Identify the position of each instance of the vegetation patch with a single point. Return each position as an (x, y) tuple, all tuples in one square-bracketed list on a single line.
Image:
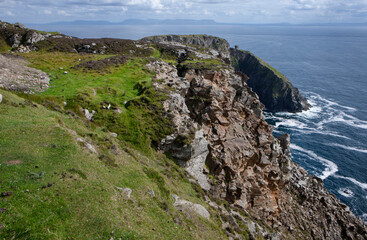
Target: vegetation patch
[(102, 64)]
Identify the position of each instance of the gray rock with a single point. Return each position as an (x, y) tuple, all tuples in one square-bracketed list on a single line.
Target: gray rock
[(87, 145), (114, 134), (89, 115), (151, 193), (1, 98), (195, 166), (189, 208), (175, 197), (19, 25), (126, 192), (15, 40), (33, 37)]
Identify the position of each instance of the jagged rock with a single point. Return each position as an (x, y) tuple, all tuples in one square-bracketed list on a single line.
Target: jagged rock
[(126, 192), (252, 170), (219, 45), (33, 37), (275, 91), (15, 40), (195, 166), (190, 209)]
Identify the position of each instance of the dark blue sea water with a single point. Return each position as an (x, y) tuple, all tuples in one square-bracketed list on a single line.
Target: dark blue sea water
[(328, 65)]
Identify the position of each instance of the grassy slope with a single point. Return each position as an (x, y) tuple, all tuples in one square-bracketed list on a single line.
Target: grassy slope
[(39, 149)]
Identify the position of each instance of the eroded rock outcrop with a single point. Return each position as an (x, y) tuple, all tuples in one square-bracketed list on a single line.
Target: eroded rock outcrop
[(219, 118), (275, 91), (216, 46)]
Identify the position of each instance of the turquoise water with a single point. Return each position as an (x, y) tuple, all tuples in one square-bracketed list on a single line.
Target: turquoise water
[(328, 65)]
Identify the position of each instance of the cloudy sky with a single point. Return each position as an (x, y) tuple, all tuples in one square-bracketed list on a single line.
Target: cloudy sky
[(238, 11)]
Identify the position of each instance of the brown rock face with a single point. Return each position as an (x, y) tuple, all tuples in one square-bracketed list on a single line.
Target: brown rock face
[(224, 142)]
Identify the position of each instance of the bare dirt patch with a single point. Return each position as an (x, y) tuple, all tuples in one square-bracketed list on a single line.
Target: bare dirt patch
[(14, 162), (16, 76)]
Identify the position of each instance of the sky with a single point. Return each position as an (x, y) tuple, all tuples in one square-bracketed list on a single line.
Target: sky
[(228, 11)]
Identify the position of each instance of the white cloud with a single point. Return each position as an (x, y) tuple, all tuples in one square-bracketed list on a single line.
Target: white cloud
[(249, 11)]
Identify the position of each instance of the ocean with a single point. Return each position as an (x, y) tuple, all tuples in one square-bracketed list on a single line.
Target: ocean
[(328, 64)]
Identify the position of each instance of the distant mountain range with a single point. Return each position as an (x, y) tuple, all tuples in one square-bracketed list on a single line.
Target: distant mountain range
[(188, 22), (141, 22)]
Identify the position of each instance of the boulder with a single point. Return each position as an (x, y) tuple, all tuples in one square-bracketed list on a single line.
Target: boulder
[(190, 209)]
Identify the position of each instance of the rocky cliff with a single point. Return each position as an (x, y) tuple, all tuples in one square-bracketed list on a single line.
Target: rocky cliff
[(222, 139), (189, 103), (274, 89)]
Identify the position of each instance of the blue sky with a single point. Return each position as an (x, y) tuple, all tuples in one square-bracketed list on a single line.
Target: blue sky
[(245, 11)]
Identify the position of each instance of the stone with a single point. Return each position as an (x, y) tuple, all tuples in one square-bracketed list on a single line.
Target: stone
[(126, 192), (151, 193), (114, 134), (89, 115), (189, 208), (195, 166), (1, 98), (87, 145)]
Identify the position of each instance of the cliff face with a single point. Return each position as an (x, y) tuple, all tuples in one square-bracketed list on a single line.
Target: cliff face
[(222, 139), (274, 89)]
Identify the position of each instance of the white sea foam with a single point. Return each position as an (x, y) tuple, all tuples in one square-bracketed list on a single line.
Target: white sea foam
[(331, 168), (315, 98), (348, 147), (321, 132), (346, 192), (344, 118), (292, 123), (360, 184)]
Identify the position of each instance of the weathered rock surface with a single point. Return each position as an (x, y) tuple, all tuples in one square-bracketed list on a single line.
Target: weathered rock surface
[(249, 168), (125, 192), (275, 91), (16, 76), (218, 47), (189, 208)]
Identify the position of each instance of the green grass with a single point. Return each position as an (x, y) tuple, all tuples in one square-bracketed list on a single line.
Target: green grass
[(4, 47), (45, 32), (62, 191)]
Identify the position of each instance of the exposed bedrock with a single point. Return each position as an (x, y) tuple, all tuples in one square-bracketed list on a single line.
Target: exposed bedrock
[(219, 118)]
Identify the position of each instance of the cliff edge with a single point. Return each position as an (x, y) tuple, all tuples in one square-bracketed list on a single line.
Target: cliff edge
[(275, 91), (162, 140)]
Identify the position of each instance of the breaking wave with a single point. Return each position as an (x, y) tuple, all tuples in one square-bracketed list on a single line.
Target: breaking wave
[(331, 167)]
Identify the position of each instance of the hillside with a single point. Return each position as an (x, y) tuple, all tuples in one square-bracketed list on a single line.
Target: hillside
[(121, 139)]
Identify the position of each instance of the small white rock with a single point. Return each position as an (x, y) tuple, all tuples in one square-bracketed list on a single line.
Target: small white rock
[(151, 193), (1, 98), (125, 191), (114, 135), (65, 72)]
